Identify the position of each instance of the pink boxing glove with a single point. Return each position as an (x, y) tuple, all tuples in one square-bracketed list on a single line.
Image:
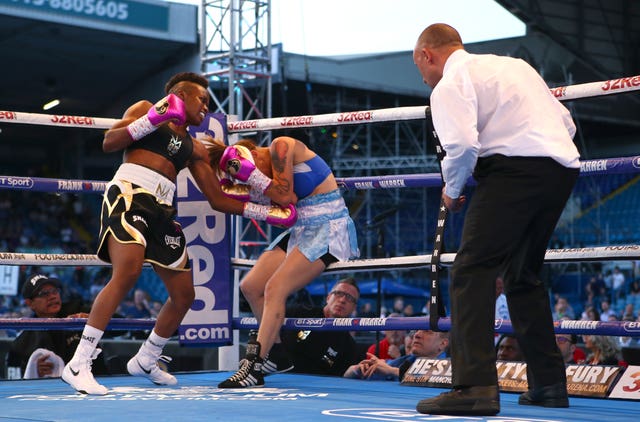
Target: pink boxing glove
[(170, 108), (272, 214), (238, 162)]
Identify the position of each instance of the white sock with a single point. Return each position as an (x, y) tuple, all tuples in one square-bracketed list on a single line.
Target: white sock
[(88, 342), (153, 346)]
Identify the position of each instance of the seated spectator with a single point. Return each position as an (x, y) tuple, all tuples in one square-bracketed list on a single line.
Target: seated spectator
[(502, 309), (398, 305), (426, 343), (140, 308), (408, 310), (590, 314), (606, 311), (601, 350), (596, 287), (571, 353), (322, 352), (43, 353), (366, 311), (629, 312), (405, 349), (508, 348), (562, 309), (390, 347)]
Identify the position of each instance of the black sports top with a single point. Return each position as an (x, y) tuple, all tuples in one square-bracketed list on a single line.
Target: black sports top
[(167, 143)]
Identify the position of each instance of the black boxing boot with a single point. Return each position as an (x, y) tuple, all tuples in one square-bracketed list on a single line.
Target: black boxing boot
[(277, 361), (250, 373)]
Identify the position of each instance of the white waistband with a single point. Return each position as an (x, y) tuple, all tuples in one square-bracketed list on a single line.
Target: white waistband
[(324, 208), (158, 185)]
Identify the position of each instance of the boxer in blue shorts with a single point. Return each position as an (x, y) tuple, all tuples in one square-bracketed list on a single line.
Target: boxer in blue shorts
[(286, 172)]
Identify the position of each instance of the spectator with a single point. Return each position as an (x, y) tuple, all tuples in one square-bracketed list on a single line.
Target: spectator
[(366, 311), (408, 310), (571, 353), (563, 310), (508, 348), (43, 353), (617, 284), (398, 305), (590, 314), (606, 311), (629, 313), (425, 343), (502, 309), (408, 342), (602, 350), (596, 288), (634, 288), (390, 346), (141, 306), (324, 352)]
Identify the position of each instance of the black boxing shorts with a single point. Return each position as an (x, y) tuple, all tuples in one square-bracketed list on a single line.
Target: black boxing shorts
[(132, 214)]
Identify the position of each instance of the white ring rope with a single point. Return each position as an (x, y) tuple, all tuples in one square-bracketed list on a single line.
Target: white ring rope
[(596, 253), (563, 93)]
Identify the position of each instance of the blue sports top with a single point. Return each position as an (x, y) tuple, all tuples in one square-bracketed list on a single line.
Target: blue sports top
[(167, 143), (308, 175)]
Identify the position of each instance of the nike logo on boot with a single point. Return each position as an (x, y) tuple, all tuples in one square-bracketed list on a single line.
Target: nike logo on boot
[(74, 372), (146, 371)]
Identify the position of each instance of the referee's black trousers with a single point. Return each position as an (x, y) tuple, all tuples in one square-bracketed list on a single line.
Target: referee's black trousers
[(509, 221)]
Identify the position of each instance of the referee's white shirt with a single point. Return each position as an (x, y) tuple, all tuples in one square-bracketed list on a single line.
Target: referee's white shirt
[(487, 104)]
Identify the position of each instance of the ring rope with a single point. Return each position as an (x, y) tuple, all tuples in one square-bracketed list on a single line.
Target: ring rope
[(613, 86), (563, 93), (595, 253), (611, 328), (616, 165)]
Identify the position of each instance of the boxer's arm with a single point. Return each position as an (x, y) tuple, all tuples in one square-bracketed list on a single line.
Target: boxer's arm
[(169, 109), (117, 137), (272, 214), (208, 182), (282, 156)]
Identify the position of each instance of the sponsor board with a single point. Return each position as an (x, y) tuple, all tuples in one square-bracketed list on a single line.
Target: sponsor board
[(628, 387), (591, 380), (208, 322), (582, 380)]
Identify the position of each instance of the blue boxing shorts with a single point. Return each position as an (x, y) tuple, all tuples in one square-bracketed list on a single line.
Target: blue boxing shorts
[(323, 227)]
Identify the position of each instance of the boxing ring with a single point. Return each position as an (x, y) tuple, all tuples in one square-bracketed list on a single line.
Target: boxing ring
[(302, 397)]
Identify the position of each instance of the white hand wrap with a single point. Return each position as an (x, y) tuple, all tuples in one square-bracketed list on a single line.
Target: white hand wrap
[(140, 128), (259, 180), (259, 197), (255, 211)]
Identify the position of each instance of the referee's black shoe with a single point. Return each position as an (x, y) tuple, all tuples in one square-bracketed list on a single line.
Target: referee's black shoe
[(469, 401), (549, 396)]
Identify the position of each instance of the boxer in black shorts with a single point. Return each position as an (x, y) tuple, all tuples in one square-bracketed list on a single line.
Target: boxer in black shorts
[(138, 221)]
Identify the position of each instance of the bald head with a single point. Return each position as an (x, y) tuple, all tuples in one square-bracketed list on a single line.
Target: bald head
[(439, 35), (434, 46)]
